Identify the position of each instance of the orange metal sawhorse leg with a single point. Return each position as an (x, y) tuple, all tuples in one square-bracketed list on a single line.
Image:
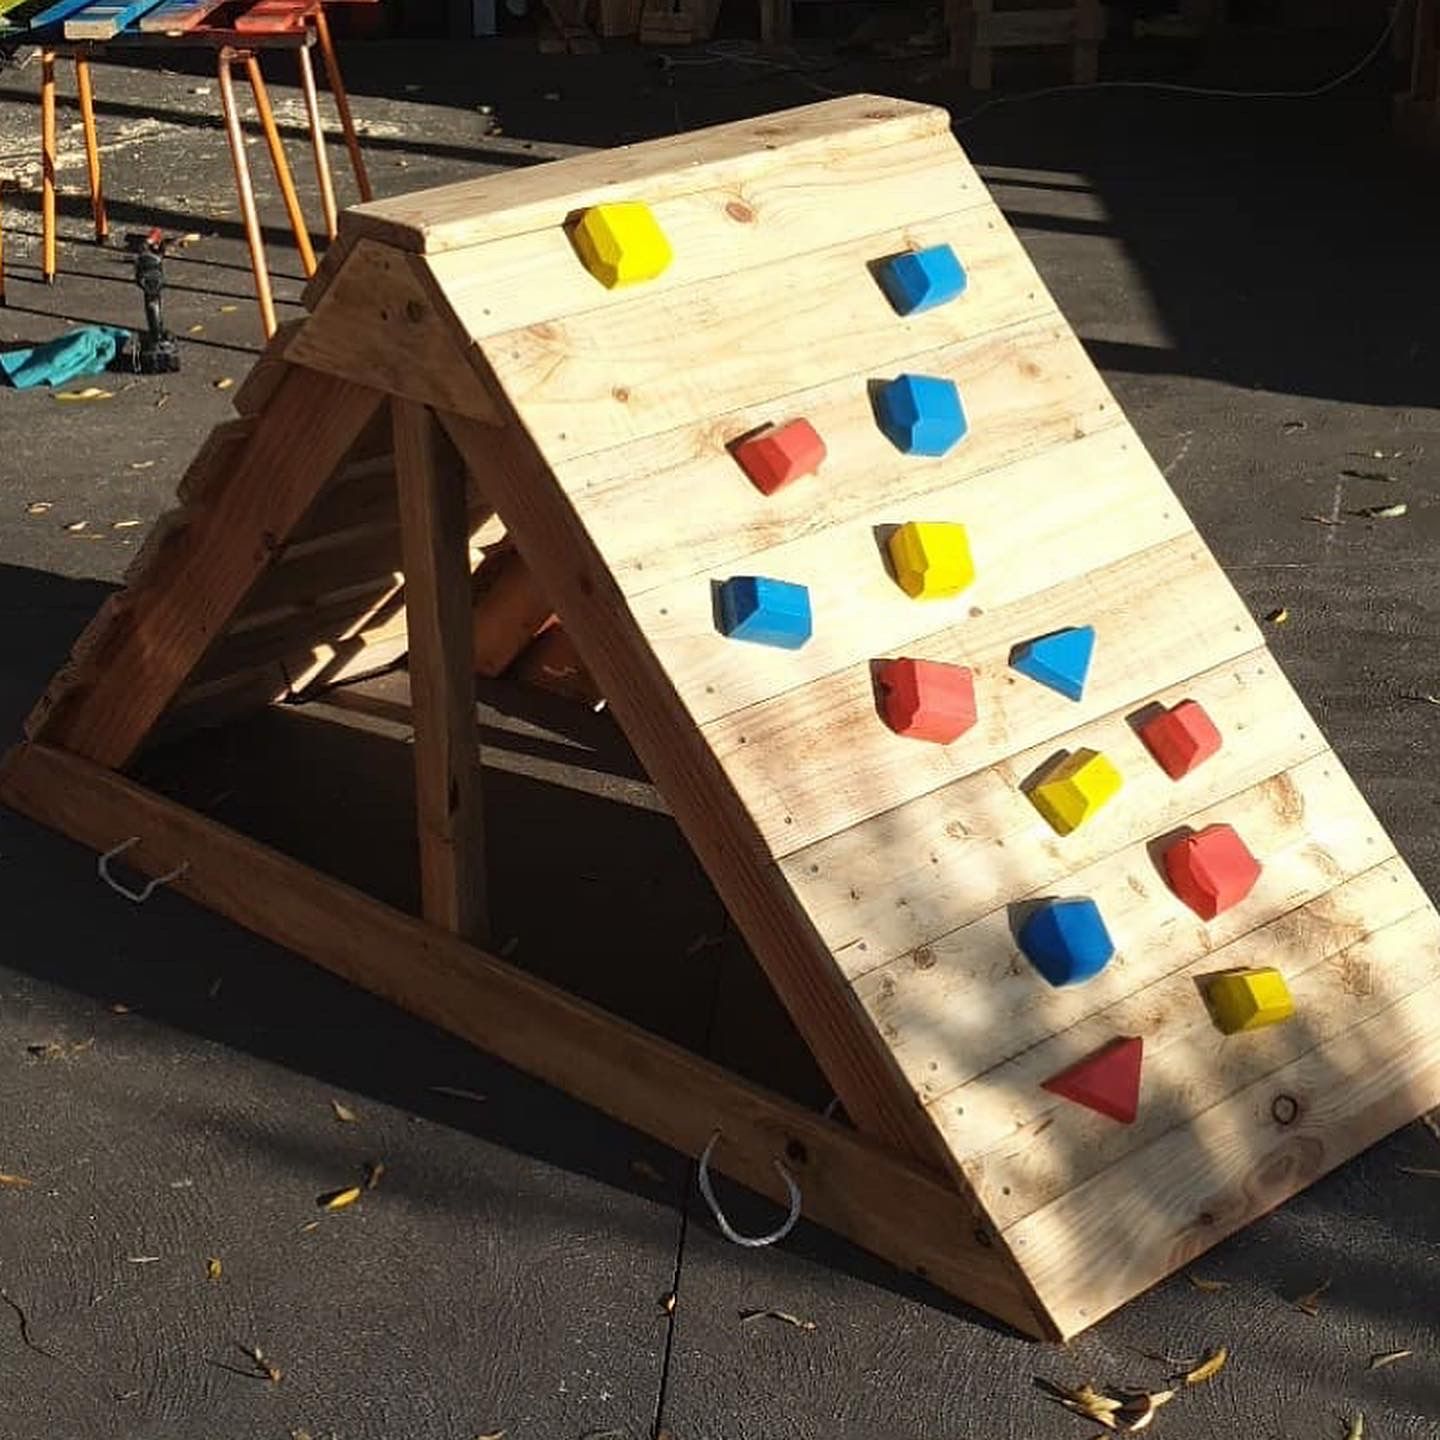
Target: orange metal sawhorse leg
[(246, 191), (48, 157), (277, 159), (342, 101)]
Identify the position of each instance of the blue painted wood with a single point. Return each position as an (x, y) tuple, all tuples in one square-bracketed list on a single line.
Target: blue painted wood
[(55, 13), (177, 15)]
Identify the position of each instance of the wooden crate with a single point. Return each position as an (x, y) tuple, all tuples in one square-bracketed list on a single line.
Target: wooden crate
[(458, 358)]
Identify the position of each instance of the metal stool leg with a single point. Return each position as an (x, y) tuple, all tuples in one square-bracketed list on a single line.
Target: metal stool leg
[(47, 164), (246, 192), (317, 139), (282, 166), (92, 146), (342, 103)]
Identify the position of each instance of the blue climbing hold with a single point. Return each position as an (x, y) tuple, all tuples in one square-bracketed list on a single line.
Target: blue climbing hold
[(921, 414), (1061, 660), (766, 612), (1066, 941), (922, 279)]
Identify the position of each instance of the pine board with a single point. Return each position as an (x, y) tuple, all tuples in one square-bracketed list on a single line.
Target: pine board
[(103, 21)]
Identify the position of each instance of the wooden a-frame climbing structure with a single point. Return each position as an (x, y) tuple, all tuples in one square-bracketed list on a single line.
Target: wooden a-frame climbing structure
[(463, 391)]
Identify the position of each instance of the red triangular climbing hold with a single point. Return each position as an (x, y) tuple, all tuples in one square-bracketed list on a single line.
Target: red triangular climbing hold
[(1107, 1081)]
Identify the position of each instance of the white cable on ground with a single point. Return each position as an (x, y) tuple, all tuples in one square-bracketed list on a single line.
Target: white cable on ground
[(753, 1242), (138, 896)]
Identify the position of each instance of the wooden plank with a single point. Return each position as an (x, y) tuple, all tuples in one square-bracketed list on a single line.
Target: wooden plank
[(381, 324), (1068, 531), (269, 17), (1121, 1231), (849, 1183), (508, 613), (369, 649), (573, 574), (220, 702), (1029, 387), (214, 460), (552, 662), (1336, 979), (168, 617), (818, 760), (268, 370), (102, 19), (54, 14), (880, 891), (648, 364), (433, 529), (822, 201), (732, 156), (1308, 825), (172, 16)]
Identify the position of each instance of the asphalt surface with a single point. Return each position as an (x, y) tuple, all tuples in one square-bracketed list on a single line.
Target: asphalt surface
[(1257, 281)]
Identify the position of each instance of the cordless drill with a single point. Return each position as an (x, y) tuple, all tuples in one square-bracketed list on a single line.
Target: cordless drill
[(155, 351)]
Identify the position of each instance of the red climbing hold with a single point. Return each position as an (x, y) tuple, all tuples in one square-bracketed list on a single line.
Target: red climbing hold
[(1107, 1081), (926, 699), (1181, 738), (1211, 871), (783, 453)]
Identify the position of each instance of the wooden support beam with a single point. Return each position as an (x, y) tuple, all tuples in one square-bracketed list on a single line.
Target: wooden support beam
[(434, 534), (849, 1184), (510, 611), (141, 650)]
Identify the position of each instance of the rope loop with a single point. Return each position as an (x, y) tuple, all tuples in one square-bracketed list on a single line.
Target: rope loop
[(139, 897), (753, 1242)]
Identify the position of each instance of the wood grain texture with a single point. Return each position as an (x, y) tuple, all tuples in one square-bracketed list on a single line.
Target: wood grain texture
[(819, 202), (433, 529), (268, 370), (141, 651), (574, 576), (1033, 385), (817, 761), (1125, 1228), (880, 892), (849, 1183), (648, 364), (177, 15), (380, 323), (509, 611), (103, 19), (733, 155)]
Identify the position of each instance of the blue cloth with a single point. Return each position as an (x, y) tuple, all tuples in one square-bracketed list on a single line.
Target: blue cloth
[(81, 352)]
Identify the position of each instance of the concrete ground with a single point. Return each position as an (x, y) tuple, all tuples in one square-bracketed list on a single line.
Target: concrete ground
[(1256, 279)]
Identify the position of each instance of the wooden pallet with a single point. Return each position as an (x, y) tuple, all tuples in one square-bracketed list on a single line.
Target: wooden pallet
[(458, 359)]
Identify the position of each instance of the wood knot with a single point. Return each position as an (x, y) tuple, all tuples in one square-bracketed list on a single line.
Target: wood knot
[(924, 958), (414, 311), (738, 210), (621, 394), (1285, 1109)]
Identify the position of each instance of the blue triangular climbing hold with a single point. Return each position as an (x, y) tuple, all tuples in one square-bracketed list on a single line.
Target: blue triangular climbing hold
[(1061, 660)]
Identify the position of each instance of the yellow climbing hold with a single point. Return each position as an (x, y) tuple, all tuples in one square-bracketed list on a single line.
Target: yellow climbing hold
[(621, 244), (1249, 999), (931, 558), (1075, 789)]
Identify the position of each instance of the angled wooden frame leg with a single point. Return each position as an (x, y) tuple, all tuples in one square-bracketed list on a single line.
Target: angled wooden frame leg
[(92, 146), (342, 101), (281, 165), (434, 532), (317, 140), (47, 165), (142, 648), (848, 1183), (246, 191)]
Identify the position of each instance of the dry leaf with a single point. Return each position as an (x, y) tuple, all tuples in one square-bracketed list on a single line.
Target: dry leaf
[(1382, 512), (143, 1259), (1420, 1170), (311, 1225), (193, 238), (124, 524), (456, 1093), (1208, 1368), (1210, 1287), (646, 1171), (1324, 520), (1278, 617), (1379, 1362), (119, 1008), (213, 1268), (1309, 1304), (783, 1316), (270, 1371), (339, 1199), (38, 507), (1368, 474), (667, 1303), (343, 1113), (90, 392), (75, 526), (223, 383), (197, 329), (374, 1169), (228, 309), (1357, 1428), (14, 1182), (142, 464), (492, 1435)]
